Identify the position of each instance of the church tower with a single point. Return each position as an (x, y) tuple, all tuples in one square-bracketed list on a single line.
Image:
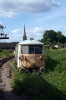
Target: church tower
[(24, 36)]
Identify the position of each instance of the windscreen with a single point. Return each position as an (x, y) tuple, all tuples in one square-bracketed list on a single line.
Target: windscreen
[(32, 49), (35, 49)]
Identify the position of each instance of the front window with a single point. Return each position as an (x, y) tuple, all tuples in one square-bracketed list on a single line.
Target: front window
[(35, 49), (32, 49), (38, 49), (24, 50)]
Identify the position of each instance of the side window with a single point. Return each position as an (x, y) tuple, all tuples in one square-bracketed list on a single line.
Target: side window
[(24, 50), (31, 49), (38, 49), (35, 49)]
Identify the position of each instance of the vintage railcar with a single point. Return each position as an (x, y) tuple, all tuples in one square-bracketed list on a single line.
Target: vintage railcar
[(29, 54)]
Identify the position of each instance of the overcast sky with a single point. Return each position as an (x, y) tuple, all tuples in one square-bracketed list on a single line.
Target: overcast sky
[(36, 15)]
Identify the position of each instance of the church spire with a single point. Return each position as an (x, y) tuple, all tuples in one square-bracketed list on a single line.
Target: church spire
[(24, 36)]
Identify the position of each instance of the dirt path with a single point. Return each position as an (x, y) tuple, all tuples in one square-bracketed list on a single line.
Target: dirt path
[(6, 81)]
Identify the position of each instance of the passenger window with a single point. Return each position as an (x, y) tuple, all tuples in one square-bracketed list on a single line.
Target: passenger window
[(38, 49), (35, 49), (31, 49), (24, 50)]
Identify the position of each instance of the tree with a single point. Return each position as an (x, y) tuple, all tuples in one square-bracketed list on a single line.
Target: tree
[(61, 37), (31, 38), (52, 37)]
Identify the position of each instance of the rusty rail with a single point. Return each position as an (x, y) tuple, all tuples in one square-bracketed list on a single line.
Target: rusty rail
[(2, 61)]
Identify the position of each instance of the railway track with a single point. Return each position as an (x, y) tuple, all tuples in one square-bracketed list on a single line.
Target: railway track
[(2, 61), (3, 81)]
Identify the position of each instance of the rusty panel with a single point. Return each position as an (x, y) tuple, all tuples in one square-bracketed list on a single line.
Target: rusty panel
[(28, 60)]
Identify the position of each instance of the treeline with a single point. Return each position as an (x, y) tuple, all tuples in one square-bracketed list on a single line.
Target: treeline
[(52, 37)]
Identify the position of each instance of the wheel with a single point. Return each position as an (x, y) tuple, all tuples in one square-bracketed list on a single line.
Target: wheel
[(42, 69), (21, 70)]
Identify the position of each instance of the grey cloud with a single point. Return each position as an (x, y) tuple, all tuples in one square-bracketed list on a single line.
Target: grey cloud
[(12, 7)]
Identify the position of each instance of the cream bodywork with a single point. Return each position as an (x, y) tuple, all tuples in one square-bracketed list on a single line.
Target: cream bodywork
[(30, 60)]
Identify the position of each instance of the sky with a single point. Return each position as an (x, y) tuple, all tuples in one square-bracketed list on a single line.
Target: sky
[(36, 15)]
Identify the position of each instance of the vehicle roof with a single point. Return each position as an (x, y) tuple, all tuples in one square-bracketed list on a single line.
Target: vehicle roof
[(30, 42)]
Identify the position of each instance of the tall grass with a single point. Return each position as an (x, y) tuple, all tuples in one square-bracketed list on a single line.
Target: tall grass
[(51, 85), (56, 68), (5, 53)]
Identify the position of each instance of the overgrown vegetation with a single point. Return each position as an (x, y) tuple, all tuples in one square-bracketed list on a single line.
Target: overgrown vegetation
[(51, 85), (56, 68), (52, 37), (5, 53)]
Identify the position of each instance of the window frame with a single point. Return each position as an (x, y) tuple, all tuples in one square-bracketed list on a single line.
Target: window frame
[(31, 51)]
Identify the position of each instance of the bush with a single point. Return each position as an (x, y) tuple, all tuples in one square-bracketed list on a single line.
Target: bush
[(1, 50), (47, 86), (5, 53)]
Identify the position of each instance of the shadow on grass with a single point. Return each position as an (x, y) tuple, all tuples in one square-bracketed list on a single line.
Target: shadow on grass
[(50, 64), (35, 87), (50, 92)]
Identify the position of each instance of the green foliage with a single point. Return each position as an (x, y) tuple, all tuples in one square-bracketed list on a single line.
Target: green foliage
[(51, 85), (31, 38), (1, 50), (61, 37), (35, 86), (5, 53), (56, 68), (14, 63), (51, 37)]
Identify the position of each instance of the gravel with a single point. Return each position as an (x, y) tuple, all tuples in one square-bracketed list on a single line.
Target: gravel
[(9, 94)]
